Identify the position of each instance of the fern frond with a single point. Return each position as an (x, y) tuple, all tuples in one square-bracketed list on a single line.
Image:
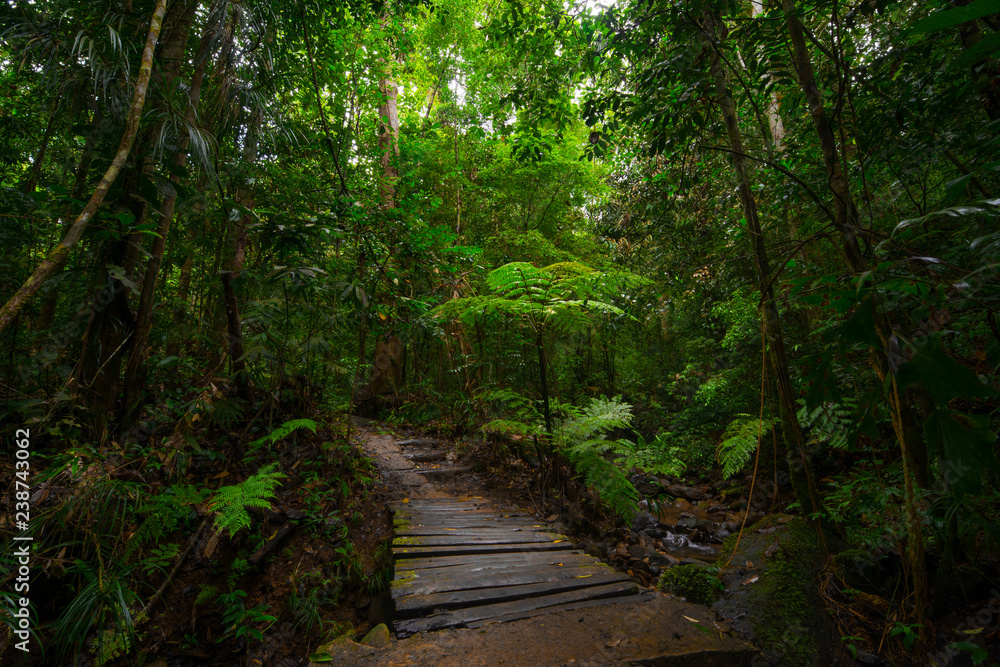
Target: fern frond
[(829, 423), (740, 441), (230, 502), (512, 427), (283, 431)]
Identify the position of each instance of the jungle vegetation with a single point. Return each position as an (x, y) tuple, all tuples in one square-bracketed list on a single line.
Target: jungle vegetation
[(737, 236)]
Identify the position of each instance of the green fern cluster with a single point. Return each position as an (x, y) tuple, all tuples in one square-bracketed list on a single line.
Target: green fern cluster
[(602, 463), (559, 297), (230, 502), (740, 441), (829, 423)]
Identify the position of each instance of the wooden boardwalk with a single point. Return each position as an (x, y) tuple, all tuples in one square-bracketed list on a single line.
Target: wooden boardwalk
[(463, 563)]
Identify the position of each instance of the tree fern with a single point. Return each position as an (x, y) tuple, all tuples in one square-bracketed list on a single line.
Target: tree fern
[(581, 440), (828, 423), (740, 441), (230, 502)]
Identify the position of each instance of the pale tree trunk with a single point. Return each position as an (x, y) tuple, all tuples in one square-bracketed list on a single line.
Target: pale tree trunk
[(173, 56), (795, 447), (57, 257), (913, 450), (388, 137)]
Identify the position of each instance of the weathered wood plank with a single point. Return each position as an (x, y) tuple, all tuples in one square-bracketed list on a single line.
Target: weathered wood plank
[(627, 599), (477, 531), (566, 558), (413, 587), (460, 617), (457, 550), (411, 606), (484, 568), (446, 540)]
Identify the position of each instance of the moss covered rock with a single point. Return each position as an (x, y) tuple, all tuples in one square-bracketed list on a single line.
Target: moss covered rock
[(694, 583), (772, 593)]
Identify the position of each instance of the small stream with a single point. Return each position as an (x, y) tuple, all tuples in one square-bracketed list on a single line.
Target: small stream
[(688, 530)]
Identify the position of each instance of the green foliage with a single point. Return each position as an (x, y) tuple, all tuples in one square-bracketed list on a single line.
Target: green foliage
[(238, 621), (282, 432), (230, 502), (740, 441)]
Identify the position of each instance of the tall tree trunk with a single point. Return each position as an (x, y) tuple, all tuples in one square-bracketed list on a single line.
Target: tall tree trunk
[(57, 257), (388, 137), (233, 266), (795, 447), (913, 449), (173, 56)]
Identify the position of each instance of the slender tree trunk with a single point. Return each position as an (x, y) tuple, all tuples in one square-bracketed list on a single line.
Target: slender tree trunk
[(57, 257), (798, 457), (31, 180), (173, 56), (233, 268), (543, 379), (914, 453), (388, 138)]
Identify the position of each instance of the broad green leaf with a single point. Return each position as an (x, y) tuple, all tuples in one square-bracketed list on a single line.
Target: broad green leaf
[(964, 445), (956, 16), (942, 377)]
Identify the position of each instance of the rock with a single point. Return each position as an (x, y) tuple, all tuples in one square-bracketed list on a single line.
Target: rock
[(648, 486), (560, 528), (343, 649), (377, 637), (687, 492), (687, 520), (644, 520), (593, 550), (782, 611), (362, 602), (638, 551), (656, 533), (550, 518)]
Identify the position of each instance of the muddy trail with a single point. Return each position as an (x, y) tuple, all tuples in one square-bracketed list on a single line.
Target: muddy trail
[(482, 579)]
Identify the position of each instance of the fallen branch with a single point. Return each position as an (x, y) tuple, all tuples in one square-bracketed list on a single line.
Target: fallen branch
[(271, 544), (151, 605)]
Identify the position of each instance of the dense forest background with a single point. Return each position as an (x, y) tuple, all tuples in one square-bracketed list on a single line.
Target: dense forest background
[(762, 236)]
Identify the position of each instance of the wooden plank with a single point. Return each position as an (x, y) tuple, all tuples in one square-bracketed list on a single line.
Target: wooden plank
[(446, 540), (465, 519), (415, 586), (567, 558), (627, 599), (411, 606), (478, 531), (483, 568), (461, 617), (459, 549)]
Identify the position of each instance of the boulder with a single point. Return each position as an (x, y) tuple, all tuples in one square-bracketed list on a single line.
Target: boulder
[(686, 492), (378, 637)]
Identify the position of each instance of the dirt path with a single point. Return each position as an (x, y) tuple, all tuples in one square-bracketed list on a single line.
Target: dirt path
[(645, 628)]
